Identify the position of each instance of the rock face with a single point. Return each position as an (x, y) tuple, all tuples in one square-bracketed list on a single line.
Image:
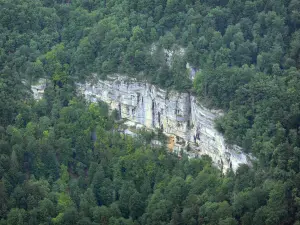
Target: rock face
[(38, 88), (180, 116)]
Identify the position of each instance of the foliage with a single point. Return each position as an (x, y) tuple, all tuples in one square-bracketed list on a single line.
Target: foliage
[(62, 160)]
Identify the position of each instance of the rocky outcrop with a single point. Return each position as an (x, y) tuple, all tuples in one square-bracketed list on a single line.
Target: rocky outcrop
[(189, 124), (208, 141), (38, 88)]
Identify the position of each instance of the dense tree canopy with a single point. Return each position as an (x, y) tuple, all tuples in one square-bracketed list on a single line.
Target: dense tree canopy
[(62, 160)]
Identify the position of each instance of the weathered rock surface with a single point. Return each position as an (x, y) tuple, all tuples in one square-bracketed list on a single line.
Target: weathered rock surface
[(180, 115), (39, 88), (189, 125)]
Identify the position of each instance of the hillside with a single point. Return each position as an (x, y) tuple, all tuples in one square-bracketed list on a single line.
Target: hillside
[(62, 160)]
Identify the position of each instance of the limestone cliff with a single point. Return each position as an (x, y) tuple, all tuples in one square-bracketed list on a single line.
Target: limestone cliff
[(180, 115), (189, 125)]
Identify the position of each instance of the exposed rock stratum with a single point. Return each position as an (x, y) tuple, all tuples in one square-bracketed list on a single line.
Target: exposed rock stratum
[(181, 116)]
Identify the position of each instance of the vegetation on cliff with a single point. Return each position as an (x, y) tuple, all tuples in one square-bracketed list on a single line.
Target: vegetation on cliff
[(247, 54)]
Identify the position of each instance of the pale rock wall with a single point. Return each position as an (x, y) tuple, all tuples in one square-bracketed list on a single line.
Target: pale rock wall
[(178, 114), (208, 141), (38, 88)]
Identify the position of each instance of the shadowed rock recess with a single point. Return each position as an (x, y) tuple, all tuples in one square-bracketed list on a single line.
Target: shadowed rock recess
[(181, 116)]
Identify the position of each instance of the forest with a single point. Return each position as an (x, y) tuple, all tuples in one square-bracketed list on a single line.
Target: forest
[(62, 159)]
